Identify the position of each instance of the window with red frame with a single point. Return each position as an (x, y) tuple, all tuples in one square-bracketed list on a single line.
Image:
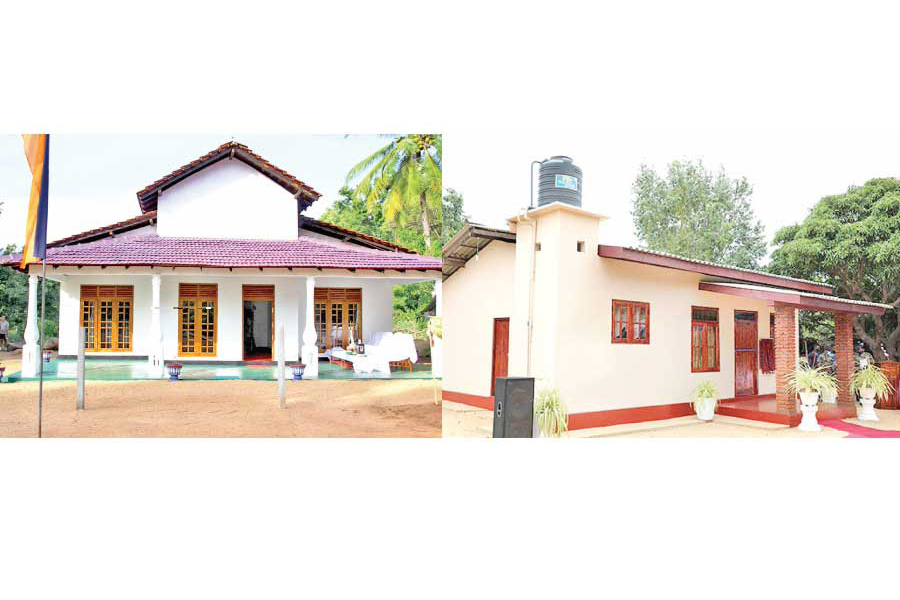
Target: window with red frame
[(631, 322), (704, 339)]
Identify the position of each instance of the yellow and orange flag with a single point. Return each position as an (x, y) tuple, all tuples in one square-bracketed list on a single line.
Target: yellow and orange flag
[(37, 151)]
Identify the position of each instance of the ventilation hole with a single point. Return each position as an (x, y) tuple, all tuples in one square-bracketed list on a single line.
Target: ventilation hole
[(580, 246)]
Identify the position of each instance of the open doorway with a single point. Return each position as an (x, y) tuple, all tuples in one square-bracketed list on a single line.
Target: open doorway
[(259, 321)]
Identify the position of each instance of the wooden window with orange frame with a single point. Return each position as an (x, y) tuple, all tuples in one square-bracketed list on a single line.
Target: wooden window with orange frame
[(337, 312), (704, 339), (630, 322), (198, 305), (107, 313)]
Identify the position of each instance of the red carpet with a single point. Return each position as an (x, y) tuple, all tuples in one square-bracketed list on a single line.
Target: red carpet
[(858, 431)]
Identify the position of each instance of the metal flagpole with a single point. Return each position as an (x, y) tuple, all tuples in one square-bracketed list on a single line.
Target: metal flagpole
[(41, 344)]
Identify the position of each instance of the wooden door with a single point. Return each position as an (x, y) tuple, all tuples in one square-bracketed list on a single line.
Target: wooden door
[(260, 294), (197, 334), (746, 353), (500, 367), (337, 312)]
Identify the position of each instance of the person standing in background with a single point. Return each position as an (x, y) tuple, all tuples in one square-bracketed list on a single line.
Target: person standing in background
[(4, 333)]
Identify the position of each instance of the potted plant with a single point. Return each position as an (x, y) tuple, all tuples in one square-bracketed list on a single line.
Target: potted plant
[(48, 354), (436, 338), (826, 362), (174, 370), (297, 370), (436, 328), (869, 382), (810, 383), (551, 419), (705, 400)]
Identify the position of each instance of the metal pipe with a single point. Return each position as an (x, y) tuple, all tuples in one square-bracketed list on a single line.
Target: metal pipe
[(41, 344), (531, 183)]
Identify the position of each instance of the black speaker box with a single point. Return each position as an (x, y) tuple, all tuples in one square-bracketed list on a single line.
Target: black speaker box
[(513, 407)]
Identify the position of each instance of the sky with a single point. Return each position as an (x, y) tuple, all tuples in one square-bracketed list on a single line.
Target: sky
[(789, 170), (94, 178)]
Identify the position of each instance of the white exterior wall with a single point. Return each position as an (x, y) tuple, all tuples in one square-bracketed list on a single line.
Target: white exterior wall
[(571, 339), (290, 310), (473, 297), (227, 200), (70, 309), (591, 372), (377, 301)]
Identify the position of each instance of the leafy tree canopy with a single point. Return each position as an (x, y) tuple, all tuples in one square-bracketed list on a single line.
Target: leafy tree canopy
[(14, 301), (697, 214), (404, 178), (852, 242), (453, 215)]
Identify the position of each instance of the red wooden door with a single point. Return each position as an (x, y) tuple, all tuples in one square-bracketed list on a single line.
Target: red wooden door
[(500, 367), (746, 358)]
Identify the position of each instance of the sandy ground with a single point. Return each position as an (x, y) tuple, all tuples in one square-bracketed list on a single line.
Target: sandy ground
[(12, 361), (318, 408), (466, 421), (888, 420)]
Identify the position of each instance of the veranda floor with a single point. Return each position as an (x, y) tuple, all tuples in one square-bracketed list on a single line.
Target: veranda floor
[(136, 369)]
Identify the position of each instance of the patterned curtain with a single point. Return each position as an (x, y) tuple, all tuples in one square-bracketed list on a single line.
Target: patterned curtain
[(766, 356)]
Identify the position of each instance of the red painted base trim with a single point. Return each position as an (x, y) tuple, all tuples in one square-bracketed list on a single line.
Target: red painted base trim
[(485, 402), (586, 420), (755, 408), (621, 416), (764, 408)]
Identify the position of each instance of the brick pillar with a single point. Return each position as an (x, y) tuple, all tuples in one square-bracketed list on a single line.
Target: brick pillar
[(785, 355), (843, 356)]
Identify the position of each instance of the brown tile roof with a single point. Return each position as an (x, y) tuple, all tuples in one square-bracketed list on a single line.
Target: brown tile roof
[(147, 197), (313, 224), (673, 261), (100, 232), (153, 250)]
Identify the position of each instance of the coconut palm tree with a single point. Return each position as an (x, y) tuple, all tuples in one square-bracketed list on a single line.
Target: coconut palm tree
[(406, 173)]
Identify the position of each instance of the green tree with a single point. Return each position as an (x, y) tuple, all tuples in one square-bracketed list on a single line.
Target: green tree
[(405, 177), (353, 212), (409, 300), (697, 214), (14, 301), (453, 215), (852, 242)]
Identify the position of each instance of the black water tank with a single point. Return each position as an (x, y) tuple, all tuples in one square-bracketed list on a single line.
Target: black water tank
[(559, 180), (513, 407)]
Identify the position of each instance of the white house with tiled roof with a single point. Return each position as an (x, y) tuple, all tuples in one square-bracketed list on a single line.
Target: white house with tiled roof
[(219, 260), (625, 334)]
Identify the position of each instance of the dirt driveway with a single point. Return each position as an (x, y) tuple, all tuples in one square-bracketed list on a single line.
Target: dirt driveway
[(317, 408)]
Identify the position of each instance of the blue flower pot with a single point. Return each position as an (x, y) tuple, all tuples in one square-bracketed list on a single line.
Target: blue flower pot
[(174, 371), (297, 370)]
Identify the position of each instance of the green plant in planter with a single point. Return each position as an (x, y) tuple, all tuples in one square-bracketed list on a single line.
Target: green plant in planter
[(871, 377), (550, 413), (807, 379), (705, 390), (436, 328)]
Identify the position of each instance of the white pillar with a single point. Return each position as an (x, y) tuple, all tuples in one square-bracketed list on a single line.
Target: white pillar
[(31, 353), (522, 295), (310, 353), (279, 348), (437, 350), (156, 360)]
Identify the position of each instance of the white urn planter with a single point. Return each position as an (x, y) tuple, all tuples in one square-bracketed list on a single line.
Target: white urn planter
[(809, 407), (705, 408), (866, 412)]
